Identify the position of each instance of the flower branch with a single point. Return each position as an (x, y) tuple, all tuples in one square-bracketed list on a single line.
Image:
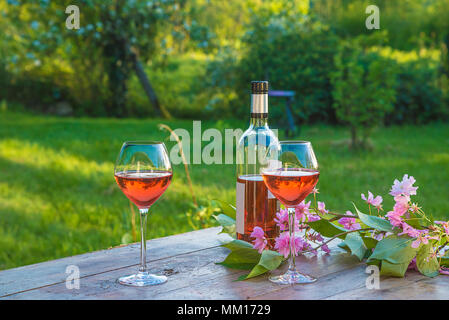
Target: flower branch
[(405, 233)]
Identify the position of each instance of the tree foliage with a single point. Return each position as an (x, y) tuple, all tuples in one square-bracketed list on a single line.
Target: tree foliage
[(129, 52), (103, 52), (291, 49), (363, 89)]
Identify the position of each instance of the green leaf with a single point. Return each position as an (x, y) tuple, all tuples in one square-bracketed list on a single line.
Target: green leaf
[(226, 208), (374, 222), (369, 242), (393, 269), (415, 221), (444, 261), (427, 262), (126, 238), (374, 262), (394, 249), (355, 242), (228, 230), (242, 255), (344, 246), (224, 220), (326, 228), (237, 244), (269, 260)]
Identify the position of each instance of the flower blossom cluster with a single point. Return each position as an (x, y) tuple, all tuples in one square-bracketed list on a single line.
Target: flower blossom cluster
[(260, 242), (402, 212), (349, 223), (376, 202), (401, 191), (283, 242)]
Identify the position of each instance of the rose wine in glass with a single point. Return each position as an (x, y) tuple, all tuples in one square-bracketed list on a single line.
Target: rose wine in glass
[(143, 188), (291, 177), (143, 173), (291, 185)]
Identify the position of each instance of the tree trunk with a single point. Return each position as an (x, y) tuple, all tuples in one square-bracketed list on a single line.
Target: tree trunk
[(147, 87), (354, 142)]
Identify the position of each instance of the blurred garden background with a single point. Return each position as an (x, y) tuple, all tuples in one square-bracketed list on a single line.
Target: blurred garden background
[(375, 104)]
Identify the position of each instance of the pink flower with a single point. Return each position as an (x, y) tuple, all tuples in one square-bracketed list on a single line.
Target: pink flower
[(394, 218), (299, 244), (315, 191), (404, 187), (422, 238), (349, 223), (283, 244), (313, 217), (325, 248), (376, 202), (379, 235), (409, 230), (316, 237), (412, 265), (402, 204), (414, 207), (302, 211), (260, 242), (445, 225), (282, 219), (400, 208), (444, 270), (257, 233), (322, 207)]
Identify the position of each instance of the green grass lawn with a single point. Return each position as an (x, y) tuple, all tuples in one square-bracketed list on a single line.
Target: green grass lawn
[(58, 196)]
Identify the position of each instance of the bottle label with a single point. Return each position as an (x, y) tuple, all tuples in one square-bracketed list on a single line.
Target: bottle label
[(240, 208)]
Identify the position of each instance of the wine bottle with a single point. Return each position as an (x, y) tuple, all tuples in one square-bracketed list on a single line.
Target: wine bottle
[(255, 205)]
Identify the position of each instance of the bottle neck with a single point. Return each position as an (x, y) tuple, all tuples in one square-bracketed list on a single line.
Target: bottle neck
[(259, 119), (259, 110)]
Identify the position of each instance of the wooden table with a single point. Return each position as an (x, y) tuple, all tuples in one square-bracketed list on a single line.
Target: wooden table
[(189, 262)]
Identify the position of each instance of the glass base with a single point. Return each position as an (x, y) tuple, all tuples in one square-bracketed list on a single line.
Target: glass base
[(142, 279), (292, 277)]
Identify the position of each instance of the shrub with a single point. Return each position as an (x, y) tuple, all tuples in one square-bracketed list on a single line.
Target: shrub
[(363, 89), (293, 52), (33, 91), (420, 87)]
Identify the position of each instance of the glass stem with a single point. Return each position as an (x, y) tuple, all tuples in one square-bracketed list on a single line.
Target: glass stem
[(143, 243), (291, 230)]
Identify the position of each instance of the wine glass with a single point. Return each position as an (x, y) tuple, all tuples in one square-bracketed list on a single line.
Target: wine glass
[(143, 172), (291, 175)]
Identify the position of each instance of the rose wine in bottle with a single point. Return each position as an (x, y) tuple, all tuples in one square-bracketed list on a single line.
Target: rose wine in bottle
[(255, 205)]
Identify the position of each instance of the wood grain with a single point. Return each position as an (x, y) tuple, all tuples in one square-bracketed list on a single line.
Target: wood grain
[(189, 261), (51, 272)]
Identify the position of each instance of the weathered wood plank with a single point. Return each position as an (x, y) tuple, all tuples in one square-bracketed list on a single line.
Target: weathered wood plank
[(189, 261), (50, 272), (194, 276), (326, 285), (350, 284), (182, 271), (412, 286), (227, 288)]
